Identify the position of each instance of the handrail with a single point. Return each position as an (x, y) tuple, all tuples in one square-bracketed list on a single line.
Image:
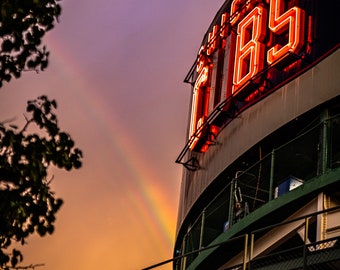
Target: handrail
[(241, 237)]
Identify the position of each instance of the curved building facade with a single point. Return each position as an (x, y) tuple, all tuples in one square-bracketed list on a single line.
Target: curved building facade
[(261, 163)]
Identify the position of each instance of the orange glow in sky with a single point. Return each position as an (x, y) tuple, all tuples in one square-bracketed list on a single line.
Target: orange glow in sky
[(116, 70)]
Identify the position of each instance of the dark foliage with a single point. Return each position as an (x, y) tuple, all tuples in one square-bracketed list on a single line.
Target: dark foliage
[(23, 23), (27, 204)]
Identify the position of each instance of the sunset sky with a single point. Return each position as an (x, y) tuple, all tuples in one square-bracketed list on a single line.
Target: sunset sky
[(116, 70)]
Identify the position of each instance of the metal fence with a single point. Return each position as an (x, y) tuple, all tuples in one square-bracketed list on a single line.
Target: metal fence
[(308, 155), (300, 255)]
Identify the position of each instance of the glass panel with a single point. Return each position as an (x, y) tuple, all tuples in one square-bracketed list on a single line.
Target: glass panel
[(335, 143), (298, 159), (216, 217), (192, 240), (253, 185)]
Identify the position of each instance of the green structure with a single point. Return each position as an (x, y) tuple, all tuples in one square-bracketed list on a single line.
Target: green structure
[(261, 163)]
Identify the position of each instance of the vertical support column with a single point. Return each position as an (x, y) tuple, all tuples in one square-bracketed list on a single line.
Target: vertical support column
[(305, 240), (323, 165), (251, 251), (320, 228), (245, 254), (271, 183)]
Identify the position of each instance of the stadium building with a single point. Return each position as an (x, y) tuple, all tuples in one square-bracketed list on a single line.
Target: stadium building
[(261, 162)]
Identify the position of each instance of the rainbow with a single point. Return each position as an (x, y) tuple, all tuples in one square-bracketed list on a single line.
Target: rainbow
[(146, 195)]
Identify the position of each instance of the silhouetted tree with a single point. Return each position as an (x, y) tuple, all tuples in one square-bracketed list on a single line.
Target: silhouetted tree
[(27, 203), (23, 23)]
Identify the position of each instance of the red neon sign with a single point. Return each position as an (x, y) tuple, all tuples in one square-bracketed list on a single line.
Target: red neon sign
[(200, 96), (239, 8), (279, 22), (266, 34), (213, 40), (249, 53)]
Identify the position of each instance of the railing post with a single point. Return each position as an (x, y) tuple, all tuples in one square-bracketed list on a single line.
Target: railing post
[(305, 243), (231, 203), (245, 254), (271, 183), (325, 134), (202, 229), (184, 259), (251, 251)]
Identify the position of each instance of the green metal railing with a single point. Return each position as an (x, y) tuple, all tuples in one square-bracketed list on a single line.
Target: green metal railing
[(304, 254), (306, 156)]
